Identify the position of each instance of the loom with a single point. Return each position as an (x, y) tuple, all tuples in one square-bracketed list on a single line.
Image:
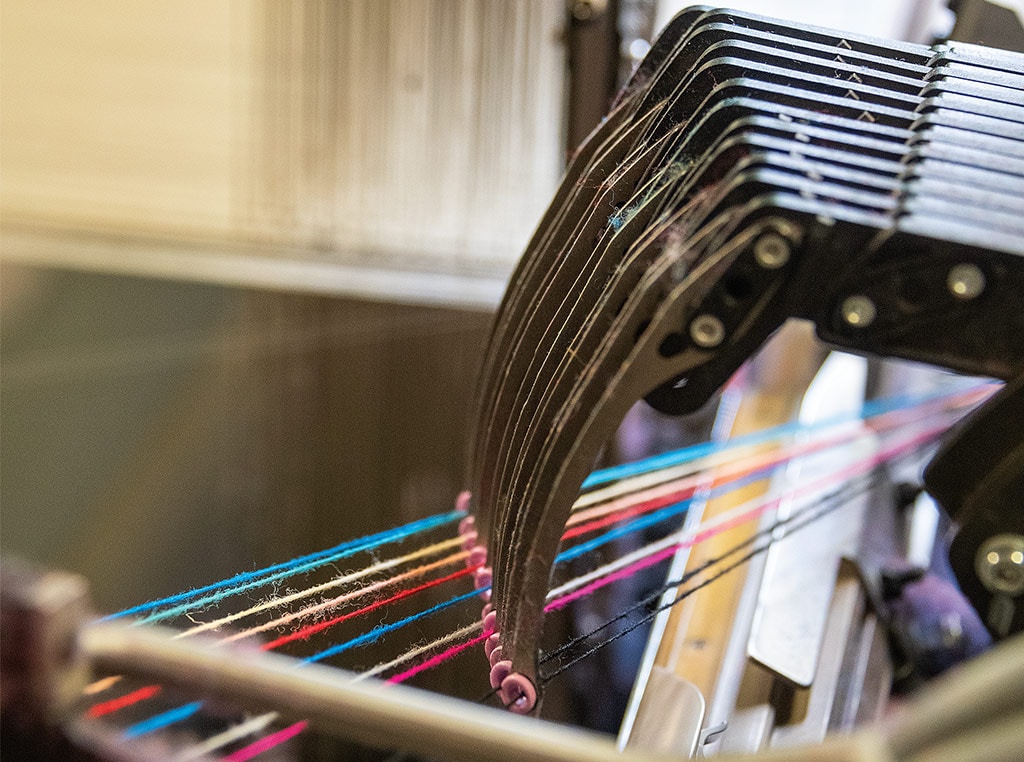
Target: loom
[(750, 172)]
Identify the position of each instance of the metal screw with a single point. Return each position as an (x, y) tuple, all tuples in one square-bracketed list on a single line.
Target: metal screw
[(771, 251), (966, 281), (858, 311), (707, 331), (999, 564)]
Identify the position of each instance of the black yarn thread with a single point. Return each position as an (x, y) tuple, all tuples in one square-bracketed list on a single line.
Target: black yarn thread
[(824, 505), (486, 698)]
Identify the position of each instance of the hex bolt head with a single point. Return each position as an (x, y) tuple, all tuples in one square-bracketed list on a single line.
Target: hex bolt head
[(772, 251), (707, 331), (965, 281), (999, 564), (858, 311)]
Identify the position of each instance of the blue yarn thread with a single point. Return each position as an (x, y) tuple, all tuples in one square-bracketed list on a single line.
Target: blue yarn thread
[(319, 561), (247, 580), (661, 514), (384, 629), (185, 711), (633, 526), (162, 720), (604, 476), (687, 454)]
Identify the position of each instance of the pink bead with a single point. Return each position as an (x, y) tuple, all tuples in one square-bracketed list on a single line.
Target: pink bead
[(491, 622), (490, 644), (518, 693), (477, 556), (487, 609), (499, 672), (495, 656), (470, 540), (462, 501), (482, 577), (467, 524)]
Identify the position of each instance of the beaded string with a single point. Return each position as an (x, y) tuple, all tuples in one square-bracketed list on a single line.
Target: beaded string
[(462, 639)]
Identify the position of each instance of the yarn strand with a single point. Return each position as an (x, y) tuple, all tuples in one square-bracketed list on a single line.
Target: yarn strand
[(266, 743), (240, 582)]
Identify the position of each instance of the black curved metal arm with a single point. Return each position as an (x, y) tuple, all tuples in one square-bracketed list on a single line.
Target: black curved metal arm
[(978, 477), (722, 197)]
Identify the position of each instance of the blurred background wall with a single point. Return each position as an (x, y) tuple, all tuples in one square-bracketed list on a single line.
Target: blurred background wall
[(158, 434)]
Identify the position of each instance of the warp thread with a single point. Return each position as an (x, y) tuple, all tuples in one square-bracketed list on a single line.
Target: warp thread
[(113, 705), (248, 580), (266, 743)]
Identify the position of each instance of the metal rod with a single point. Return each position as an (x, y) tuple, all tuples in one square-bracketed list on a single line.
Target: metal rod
[(377, 714)]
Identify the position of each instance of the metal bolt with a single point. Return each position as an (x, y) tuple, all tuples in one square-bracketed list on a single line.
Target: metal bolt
[(858, 311), (966, 281), (707, 331), (771, 251), (999, 564)]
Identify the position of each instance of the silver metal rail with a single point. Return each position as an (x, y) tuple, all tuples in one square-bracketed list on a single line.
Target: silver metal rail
[(377, 714)]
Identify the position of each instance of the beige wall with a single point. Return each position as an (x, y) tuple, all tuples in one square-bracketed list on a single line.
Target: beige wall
[(421, 136), (158, 435)]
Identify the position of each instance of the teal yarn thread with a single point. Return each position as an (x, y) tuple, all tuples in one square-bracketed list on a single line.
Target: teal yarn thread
[(687, 454), (162, 720), (384, 629), (248, 580)]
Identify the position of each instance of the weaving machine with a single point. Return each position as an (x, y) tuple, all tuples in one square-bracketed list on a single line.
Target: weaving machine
[(750, 172)]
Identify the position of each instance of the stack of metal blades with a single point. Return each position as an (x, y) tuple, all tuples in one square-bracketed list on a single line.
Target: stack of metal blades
[(752, 170)]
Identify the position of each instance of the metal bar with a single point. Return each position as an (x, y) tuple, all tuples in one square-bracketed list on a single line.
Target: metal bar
[(844, 618), (593, 43), (255, 265), (800, 569), (373, 713)]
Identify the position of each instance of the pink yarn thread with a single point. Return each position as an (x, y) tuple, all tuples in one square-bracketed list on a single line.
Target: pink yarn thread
[(266, 743), (440, 658)]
